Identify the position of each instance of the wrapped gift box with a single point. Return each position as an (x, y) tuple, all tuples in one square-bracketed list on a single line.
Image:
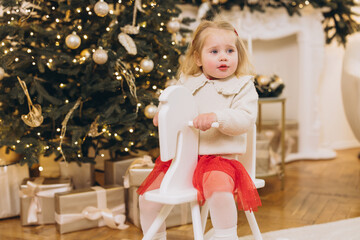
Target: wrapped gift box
[(179, 215), (37, 199), (82, 176), (11, 176), (138, 170), (50, 167), (89, 208), (115, 170)]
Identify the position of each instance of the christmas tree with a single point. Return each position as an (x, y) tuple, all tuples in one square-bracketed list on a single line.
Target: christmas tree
[(84, 74)]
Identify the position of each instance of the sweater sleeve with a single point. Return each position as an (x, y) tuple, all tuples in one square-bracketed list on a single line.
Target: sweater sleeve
[(242, 113)]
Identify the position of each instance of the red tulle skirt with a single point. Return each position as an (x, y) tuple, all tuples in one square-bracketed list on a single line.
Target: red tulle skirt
[(209, 177)]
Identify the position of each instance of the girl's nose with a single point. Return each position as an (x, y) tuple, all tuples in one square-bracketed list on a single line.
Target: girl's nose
[(223, 57)]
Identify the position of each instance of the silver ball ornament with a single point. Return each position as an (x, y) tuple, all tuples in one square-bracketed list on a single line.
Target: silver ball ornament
[(100, 56), (147, 65), (173, 26), (101, 8), (2, 73), (150, 110), (73, 41), (181, 59)]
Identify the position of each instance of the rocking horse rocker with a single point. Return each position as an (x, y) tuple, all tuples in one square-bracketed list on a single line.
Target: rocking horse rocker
[(179, 141)]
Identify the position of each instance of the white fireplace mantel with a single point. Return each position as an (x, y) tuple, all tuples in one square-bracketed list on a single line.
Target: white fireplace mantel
[(275, 24)]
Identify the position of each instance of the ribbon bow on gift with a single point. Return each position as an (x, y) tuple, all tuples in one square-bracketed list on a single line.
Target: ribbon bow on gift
[(138, 163), (34, 190), (115, 222), (111, 218)]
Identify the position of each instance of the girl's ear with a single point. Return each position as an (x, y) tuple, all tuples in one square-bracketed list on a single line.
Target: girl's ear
[(197, 59)]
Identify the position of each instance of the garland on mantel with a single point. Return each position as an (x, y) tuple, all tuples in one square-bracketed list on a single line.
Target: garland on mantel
[(338, 21)]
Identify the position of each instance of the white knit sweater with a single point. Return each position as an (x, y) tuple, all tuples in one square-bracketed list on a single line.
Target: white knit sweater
[(234, 101)]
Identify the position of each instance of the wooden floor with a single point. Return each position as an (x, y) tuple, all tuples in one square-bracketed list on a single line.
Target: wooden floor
[(315, 192)]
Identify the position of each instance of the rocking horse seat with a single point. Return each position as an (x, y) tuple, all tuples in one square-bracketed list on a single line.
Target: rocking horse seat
[(178, 197)]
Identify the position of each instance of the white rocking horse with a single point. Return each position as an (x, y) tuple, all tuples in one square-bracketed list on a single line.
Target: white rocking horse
[(179, 141)]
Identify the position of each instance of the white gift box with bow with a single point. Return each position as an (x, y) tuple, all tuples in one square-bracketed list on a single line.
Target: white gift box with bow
[(37, 199)]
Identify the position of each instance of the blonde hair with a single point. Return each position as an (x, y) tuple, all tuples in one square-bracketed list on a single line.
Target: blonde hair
[(189, 67)]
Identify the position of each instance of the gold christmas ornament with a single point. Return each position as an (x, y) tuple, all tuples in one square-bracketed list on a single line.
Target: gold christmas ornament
[(147, 65), (128, 43), (93, 131), (100, 56), (73, 41), (263, 80), (101, 8), (150, 110), (2, 73), (173, 26), (34, 118), (86, 53), (278, 79)]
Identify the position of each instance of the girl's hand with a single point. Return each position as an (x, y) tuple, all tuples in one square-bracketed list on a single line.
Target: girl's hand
[(156, 119), (204, 121)]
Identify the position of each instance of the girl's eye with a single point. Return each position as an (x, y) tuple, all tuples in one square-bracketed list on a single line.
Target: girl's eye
[(214, 51), (231, 51)]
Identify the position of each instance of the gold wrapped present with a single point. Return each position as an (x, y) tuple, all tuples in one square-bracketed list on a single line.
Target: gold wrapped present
[(115, 170), (37, 199), (179, 215), (82, 176), (89, 208), (11, 176), (138, 171)]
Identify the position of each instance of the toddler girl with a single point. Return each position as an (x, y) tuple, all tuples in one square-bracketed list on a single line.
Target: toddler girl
[(216, 70)]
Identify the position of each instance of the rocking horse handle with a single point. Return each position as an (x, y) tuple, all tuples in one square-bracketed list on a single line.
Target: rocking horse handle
[(213, 125)]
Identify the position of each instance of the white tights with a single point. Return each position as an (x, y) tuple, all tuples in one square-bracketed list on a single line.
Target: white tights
[(223, 214)]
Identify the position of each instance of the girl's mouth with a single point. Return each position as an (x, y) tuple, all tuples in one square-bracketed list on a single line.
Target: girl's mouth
[(223, 67)]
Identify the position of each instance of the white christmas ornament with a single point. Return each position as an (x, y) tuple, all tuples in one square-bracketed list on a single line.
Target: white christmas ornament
[(2, 73), (150, 110), (101, 8), (173, 26), (147, 65), (73, 41), (100, 56), (203, 9), (128, 43)]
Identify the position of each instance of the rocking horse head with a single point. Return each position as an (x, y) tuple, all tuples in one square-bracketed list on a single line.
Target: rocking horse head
[(177, 108), (178, 141)]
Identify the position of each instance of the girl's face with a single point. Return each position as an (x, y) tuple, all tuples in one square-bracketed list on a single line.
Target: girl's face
[(219, 56)]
